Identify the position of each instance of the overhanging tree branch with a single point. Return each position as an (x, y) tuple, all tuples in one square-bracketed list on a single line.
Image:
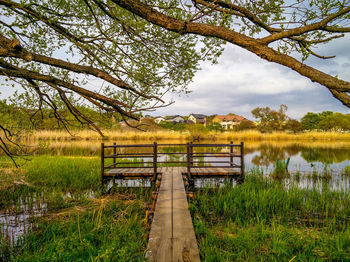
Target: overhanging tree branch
[(256, 46)]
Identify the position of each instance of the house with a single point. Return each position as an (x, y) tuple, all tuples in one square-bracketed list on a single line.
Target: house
[(198, 118), (159, 119), (175, 119), (228, 121)]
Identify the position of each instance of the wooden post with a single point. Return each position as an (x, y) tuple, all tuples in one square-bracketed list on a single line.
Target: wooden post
[(191, 154), (114, 153), (242, 160), (188, 159), (155, 158), (102, 161), (231, 154)]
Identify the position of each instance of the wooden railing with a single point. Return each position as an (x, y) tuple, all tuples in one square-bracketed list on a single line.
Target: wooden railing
[(195, 158)]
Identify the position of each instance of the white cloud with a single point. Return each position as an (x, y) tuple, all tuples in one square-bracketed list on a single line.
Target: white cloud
[(242, 81)]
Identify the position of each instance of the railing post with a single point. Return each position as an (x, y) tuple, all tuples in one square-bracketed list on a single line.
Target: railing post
[(155, 158), (188, 160), (191, 154), (114, 153), (231, 154), (242, 160), (102, 161)]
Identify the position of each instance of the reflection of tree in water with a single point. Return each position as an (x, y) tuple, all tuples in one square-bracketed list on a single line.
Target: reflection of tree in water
[(325, 155), (269, 154)]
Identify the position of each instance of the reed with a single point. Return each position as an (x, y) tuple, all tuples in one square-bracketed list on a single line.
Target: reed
[(261, 220), (110, 231), (76, 222), (161, 135)]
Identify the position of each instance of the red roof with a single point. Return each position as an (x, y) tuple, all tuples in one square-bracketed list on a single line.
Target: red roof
[(230, 118)]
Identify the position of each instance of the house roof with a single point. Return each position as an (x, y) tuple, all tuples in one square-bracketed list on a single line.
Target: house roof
[(230, 117), (172, 117), (198, 116)]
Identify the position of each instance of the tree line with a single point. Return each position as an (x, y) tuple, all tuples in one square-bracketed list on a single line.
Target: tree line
[(267, 120)]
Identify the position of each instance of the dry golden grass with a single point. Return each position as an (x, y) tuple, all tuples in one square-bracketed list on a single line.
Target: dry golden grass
[(253, 135), (47, 135)]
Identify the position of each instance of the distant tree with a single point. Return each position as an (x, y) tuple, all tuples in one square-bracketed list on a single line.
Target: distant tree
[(310, 121), (173, 126), (293, 125), (269, 119), (334, 122), (215, 127), (245, 125)]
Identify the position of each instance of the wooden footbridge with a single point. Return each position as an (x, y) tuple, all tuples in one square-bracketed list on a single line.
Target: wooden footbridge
[(174, 166)]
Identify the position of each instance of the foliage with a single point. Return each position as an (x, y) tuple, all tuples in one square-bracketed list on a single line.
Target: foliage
[(269, 119), (310, 121), (245, 125), (293, 125), (327, 121), (173, 126), (215, 127)]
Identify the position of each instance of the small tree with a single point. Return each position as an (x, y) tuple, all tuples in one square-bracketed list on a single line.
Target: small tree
[(245, 125), (310, 121), (293, 125), (269, 119)]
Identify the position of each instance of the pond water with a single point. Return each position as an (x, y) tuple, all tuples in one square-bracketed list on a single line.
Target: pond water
[(304, 156)]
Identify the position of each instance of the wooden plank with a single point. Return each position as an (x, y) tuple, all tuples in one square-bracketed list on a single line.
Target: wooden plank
[(172, 237)]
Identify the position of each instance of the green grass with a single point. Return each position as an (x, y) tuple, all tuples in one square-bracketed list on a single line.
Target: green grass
[(262, 221), (114, 232), (75, 227), (54, 177)]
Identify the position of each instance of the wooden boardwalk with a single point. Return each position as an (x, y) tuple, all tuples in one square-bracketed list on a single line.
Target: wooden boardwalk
[(172, 237)]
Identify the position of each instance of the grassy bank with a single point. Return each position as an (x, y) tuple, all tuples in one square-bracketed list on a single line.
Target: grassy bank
[(253, 135), (262, 221), (76, 222), (112, 231)]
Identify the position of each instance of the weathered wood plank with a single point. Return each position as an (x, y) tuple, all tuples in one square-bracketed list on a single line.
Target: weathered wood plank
[(172, 236)]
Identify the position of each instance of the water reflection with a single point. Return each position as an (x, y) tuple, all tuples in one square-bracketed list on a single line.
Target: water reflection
[(213, 182), (17, 221), (119, 182)]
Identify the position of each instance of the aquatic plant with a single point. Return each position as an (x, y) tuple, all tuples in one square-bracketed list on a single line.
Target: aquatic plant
[(346, 171), (280, 168), (261, 220)]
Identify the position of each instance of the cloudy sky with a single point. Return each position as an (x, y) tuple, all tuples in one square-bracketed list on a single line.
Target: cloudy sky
[(242, 81)]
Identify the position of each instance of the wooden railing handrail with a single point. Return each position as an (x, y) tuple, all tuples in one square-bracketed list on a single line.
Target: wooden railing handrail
[(191, 155)]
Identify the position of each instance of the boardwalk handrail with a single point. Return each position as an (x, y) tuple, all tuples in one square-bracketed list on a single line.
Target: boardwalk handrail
[(194, 159)]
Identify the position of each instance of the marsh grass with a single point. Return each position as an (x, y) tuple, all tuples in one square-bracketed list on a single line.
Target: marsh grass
[(346, 171), (166, 135), (110, 231), (280, 168), (261, 220), (78, 223)]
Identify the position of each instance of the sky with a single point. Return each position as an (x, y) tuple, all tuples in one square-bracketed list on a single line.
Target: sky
[(241, 81)]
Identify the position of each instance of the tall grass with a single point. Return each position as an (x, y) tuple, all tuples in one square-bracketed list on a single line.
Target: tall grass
[(261, 220), (114, 231), (78, 223), (166, 135)]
